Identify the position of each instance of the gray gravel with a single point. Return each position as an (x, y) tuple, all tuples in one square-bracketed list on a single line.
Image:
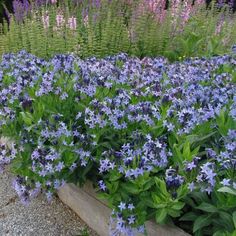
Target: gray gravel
[(39, 218)]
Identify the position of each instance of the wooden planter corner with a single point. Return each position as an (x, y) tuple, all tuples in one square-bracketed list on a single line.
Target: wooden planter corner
[(96, 213)]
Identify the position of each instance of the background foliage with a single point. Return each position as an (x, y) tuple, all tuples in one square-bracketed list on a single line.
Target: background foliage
[(127, 26)]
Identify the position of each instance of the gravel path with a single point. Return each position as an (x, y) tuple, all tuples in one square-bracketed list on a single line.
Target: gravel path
[(39, 218)]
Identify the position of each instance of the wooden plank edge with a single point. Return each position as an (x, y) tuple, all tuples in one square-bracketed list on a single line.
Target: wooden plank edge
[(96, 213)]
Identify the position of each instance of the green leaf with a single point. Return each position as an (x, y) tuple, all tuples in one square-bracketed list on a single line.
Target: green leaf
[(103, 196), (131, 188), (195, 152), (161, 187), (201, 222), (114, 187), (234, 219), (220, 233), (199, 197), (182, 191), (227, 220), (148, 202), (177, 154), (161, 215), (114, 176), (178, 206), (227, 190), (187, 151), (27, 118), (190, 216), (157, 200), (68, 158), (207, 207), (173, 213), (234, 233), (148, 184)]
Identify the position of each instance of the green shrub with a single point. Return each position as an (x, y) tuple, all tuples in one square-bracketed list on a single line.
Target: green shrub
[(157, 139)]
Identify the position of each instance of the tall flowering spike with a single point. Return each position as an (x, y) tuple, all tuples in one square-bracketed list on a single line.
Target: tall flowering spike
[(152, 5), (45, 20), (96, 3), (39, 3), (175, 10), (20, 9), (186, 12), (200, 2), (86, 20), (60, 20), (72, 23), (220, 25), (157, 7), (53, 1)]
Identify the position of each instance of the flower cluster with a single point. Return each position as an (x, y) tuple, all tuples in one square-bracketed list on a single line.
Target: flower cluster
[(139, 127), (7, 153), (60, 22), (24, 190), (21, 9)]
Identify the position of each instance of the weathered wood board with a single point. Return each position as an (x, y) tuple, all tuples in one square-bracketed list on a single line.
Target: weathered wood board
[(96, 213)]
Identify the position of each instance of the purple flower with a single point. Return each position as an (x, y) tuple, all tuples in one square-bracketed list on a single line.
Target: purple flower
[(73, 167), (59, 166), (78, 115), (191, 186), (57, 183), (190, 166), (131, 219), (234, 49), (64, 96), (102, 185), (131, 206), (141, 229), (49, 196), (225, 182), (122, 206), (21, 9)]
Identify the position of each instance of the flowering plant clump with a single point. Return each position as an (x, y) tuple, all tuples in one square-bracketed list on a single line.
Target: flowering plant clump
[(158, 139)]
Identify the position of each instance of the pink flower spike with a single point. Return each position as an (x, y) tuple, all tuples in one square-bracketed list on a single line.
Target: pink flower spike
[(200, 2), (45, 20), (72, 23), (86, 20), (60, 20), (53, 1), (186, 13)]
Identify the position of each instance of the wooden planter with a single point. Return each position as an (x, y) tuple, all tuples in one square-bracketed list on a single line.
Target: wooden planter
[(96, 213)]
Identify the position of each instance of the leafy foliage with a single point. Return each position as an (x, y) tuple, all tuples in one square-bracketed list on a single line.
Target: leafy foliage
[(109, 27), (156, 138)]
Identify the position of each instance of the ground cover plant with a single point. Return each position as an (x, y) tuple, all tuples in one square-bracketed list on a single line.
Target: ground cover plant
[(103, 27), (158, 139)]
